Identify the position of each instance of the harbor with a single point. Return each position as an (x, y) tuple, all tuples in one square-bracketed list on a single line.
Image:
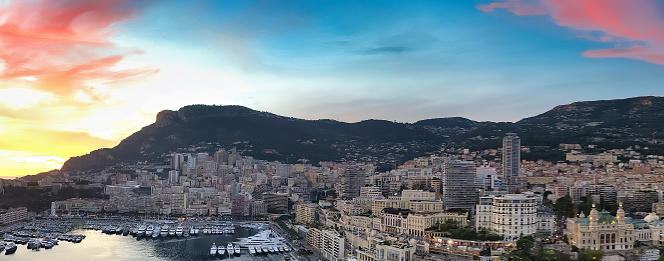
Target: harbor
[(144, 240)]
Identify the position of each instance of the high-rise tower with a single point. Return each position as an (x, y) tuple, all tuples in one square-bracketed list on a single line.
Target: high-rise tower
[(458, 184), (512, 161)]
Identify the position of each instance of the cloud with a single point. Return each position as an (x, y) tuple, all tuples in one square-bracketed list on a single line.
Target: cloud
[(636, 27), (384, 50), (635, 52), (517, 7), (64, 46)]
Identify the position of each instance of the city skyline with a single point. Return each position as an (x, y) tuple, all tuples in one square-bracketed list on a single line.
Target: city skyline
[(79, 75)]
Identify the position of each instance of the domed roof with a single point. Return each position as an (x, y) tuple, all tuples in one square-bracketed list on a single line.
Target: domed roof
[(651, 217)]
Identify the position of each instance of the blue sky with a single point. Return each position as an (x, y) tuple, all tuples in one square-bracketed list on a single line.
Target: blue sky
[(391, 59)]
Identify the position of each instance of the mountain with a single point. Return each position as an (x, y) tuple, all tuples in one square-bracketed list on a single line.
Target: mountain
[(606, 124), (265, 136)]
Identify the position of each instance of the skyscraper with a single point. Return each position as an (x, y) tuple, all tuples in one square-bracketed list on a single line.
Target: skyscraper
[(512, 161), (352, 179), (458, 184)]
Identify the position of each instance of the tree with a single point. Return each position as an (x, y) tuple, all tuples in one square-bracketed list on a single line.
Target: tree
[(486, 251), (590, 255), (564, 207)]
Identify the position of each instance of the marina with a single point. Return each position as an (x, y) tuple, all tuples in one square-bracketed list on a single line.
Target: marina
[(143, 240)]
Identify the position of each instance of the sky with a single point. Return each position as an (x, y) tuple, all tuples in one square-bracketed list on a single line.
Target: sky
[(76, 76)]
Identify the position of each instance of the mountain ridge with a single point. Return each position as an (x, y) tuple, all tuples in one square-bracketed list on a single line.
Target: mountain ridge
[(265, 135)]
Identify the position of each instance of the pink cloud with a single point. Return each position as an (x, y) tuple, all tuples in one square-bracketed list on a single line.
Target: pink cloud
[(63, 44), (635, 52), (638, 24)]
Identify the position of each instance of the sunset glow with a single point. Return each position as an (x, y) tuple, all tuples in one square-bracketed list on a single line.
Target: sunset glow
[(76, 76)]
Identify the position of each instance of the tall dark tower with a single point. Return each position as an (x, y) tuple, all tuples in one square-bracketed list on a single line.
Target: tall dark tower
[(512, 161)]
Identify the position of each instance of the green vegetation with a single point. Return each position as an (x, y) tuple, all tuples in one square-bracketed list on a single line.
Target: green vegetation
[(292, 232), (590, 255), (451, 229), (565, 208), (39, 199)]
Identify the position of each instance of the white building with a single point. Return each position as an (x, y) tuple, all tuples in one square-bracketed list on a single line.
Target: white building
[(512, 215), (329, 243)]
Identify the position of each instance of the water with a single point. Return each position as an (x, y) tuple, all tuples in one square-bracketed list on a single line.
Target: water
[(99, 246)]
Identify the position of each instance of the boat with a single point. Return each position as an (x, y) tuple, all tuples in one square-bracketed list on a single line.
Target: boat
[(171, 232), (252, 250), (221, 250), (264, 249), (281, 249), (125, 231), (10, 248), (179, 231), (237, 250), (258, 250), (149, 231), (192, 231), (47, 244), (213, 249), (155, 233), (286, 249), (164, 231), (270, 249), (229, 249), (33, 244), (141, 231)]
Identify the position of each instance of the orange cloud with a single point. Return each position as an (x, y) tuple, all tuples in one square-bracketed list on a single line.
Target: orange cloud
[(63, 44), (637, 27)]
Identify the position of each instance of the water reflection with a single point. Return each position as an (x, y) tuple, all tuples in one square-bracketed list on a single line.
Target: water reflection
[(99, 246)]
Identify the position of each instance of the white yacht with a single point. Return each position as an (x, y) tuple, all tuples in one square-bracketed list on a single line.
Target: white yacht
[(179, 231), (258, 250), (263, 238), (164, 231), (264, 249), (141, 231), (155, 233), (276, 250), (252, 250), (171, 232), (149, 231), (229, 249), (213, 249), (237, 250)]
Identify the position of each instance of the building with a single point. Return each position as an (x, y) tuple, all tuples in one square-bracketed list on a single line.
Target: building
[(179, 203), (511, 161), (601, 231), (352, 179), (373, 192), (394, 220), (241, 204), (458, 184), (395, 252), (174, 176), (417, 223), (329, 243), (513, 215), (13, 215), (306, 213), (258, 208), (414, 205), (284, 170), (277, 203)]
